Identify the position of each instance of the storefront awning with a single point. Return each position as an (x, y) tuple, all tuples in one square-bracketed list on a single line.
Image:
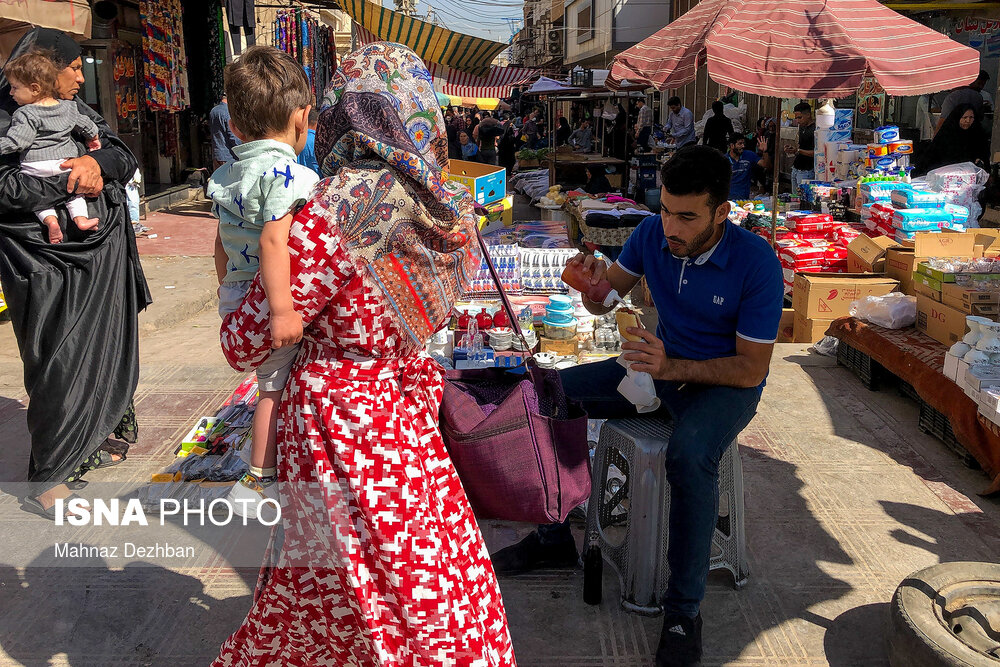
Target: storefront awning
[(431, 42), (495, 83), (16, 18)]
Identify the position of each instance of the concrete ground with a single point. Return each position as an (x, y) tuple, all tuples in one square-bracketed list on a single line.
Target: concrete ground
[(844, 498)]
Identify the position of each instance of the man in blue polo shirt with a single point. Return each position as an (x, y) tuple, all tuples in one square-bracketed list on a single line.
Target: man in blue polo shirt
[(742, 162), (718, 293)]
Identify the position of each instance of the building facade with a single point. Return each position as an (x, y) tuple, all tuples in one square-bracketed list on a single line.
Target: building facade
[(597, 30)]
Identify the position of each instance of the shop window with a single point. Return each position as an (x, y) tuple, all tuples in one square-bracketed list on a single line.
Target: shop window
[(585, 24), (90, 90)]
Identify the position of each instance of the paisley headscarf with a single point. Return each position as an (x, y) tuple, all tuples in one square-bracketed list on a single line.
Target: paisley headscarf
[(381, 140)]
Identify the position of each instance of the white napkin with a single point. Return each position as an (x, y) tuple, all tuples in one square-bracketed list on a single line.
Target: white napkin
[(638, 388)]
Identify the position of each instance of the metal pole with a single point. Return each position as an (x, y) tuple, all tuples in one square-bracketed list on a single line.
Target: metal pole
[(777, 175)]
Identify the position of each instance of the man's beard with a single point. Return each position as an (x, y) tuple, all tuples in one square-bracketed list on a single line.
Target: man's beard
[(697, 243)]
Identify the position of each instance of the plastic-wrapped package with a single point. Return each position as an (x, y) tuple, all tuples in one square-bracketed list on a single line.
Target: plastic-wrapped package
[(914, 198), (961, 185), (921, 219), (959, 214), (892, 311)]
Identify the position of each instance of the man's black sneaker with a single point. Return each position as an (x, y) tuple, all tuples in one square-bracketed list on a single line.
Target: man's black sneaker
[(680, 641), (530, 554)]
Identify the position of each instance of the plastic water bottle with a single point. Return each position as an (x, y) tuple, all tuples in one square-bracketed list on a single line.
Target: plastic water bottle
[(825, 116)]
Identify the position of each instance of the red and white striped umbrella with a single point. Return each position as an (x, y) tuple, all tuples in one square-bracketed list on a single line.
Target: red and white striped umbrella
[(799, 48)]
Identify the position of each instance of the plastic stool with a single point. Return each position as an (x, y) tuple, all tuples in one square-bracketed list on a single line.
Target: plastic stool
[(629, 507)]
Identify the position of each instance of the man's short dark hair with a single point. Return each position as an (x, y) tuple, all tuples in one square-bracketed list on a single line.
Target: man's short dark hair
[(736, 136), (803, 107), (698, 170), (983, 75), (674, 101), (313, 115)]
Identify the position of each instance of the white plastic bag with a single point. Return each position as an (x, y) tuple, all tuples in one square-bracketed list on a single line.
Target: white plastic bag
[(892, 311), (827, 346)]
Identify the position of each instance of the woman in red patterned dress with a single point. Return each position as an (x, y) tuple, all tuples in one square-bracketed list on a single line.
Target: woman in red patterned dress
[(380, 561)]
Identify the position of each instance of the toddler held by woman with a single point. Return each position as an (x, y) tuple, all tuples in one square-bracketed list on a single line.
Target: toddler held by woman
[(41, 130)]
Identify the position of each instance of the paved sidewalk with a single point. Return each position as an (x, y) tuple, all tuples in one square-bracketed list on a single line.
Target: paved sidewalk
[(844, 498)]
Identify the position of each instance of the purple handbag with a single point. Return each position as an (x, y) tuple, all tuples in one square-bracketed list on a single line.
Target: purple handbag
[(518, 443)]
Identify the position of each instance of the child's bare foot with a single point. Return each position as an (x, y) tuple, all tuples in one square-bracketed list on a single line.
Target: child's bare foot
[(84, 224), (55, 233)]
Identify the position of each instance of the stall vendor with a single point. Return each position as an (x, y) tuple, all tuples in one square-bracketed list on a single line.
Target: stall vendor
[(582, 138), (718, 290), (742, 162), (680, 123)]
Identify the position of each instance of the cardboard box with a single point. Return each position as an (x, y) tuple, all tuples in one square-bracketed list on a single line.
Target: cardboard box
[(563, 348), (943, 323), (808, 330), (486, 182), (499, 214), (921, 288), (900, 263), (989, 399), (867, 254), (939, 276), (924, 284), (951, 367), (971, 301), (979, 378), (786, 327), (930, 244), (828, 296), (989, 414)]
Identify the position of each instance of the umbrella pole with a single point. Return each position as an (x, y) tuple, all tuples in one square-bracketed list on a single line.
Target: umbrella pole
[(777, 173)]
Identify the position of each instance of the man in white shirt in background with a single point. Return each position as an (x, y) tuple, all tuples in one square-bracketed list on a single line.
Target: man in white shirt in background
[(680, 123)]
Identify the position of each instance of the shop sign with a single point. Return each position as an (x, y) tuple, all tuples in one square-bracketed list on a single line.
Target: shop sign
[(125, 88), (982, 34), (984, 27), (871, 100)]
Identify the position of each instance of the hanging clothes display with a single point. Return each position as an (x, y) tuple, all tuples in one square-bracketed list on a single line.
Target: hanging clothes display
[(240, 14), (299, 33), (165, 63)]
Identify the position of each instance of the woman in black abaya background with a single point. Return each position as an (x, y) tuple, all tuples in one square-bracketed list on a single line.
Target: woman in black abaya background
[(74, 305)]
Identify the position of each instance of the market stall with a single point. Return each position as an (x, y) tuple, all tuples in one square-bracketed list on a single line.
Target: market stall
[(825, 50), (919, 361)]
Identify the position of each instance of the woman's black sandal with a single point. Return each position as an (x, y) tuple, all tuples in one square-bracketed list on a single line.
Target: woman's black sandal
[(32, 505)]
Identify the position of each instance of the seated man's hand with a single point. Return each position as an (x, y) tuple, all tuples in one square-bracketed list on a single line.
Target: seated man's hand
[(598, 270), (649, 355), (286, 329)]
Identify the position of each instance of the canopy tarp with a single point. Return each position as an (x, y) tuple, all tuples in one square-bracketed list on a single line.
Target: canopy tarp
[(495, 83), (431, 42), (799, 48), (16, 18)]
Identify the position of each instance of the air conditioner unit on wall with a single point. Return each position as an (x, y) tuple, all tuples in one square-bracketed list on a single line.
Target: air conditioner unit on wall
[(555, 49), (555, 36)]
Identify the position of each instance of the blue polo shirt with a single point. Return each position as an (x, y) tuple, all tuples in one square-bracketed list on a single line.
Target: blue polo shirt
[(739, 187), (733, 289)]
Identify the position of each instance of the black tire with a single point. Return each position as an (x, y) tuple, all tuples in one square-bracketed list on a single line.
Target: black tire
[(917, 635)]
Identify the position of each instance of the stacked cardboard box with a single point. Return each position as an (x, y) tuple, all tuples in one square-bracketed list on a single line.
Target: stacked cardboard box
[(866, 254), (819, 299), (901, 262)]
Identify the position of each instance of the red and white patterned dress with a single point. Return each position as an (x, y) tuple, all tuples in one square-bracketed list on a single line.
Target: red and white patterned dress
[(382, 562)]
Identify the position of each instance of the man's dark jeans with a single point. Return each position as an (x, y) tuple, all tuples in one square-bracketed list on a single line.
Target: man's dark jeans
[(706, 420)]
